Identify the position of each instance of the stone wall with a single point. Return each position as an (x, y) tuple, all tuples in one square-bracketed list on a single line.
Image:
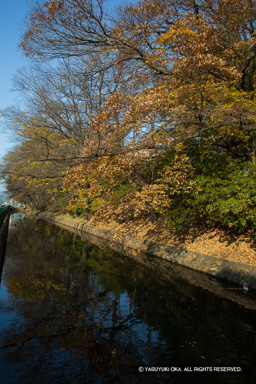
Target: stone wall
[(3, 240), (242, 274)]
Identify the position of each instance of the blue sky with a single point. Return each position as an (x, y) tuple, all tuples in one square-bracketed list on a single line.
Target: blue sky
[(12, 15)]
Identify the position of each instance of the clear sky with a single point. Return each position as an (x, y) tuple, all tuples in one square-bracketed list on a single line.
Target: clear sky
[(12, 15)]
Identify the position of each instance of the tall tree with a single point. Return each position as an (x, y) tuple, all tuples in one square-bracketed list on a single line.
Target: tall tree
[(205, 65), (131, 90)]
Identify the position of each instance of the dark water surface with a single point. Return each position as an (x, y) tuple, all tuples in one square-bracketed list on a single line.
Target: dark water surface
[(72, 312)]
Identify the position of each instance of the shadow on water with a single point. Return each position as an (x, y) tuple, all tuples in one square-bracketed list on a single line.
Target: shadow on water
[(73, 312)]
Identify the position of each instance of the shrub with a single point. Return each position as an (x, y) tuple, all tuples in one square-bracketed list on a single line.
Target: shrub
[(222, 196)]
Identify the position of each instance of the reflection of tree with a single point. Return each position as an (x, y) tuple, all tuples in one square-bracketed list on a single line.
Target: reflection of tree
[(32, 288), (115, 313), (63, 303)]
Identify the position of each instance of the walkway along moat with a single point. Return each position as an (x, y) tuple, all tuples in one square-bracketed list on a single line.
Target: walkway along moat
[(74, 312)]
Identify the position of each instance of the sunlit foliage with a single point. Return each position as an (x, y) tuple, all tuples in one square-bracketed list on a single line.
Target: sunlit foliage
[(144, 98)]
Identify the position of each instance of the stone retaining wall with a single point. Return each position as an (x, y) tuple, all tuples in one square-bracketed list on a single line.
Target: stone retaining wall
[(3, 239), (241, 274)]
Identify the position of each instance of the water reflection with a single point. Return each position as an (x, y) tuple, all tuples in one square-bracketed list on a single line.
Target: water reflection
[(72, 312), (16, 217)]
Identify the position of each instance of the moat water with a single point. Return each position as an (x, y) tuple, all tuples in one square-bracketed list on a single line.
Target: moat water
[(74, 312)]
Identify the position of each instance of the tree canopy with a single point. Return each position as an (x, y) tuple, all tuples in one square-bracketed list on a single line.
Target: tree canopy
[(132, 105)]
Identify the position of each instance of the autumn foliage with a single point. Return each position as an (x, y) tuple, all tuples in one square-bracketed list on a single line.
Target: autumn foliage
[(149, 108)]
